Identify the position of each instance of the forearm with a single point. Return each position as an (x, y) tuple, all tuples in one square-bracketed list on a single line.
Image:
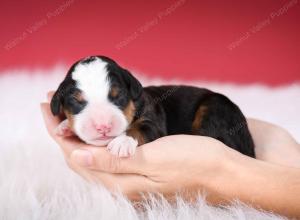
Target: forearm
[(254, 182), (274, 144)]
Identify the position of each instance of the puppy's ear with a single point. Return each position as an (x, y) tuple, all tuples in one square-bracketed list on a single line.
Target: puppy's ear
[(56, 101), (134, 86)]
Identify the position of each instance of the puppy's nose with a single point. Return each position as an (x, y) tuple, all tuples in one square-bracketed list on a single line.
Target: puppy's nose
[(103, 128)]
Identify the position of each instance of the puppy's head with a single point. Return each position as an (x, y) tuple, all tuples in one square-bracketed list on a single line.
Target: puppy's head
[(97, 97)]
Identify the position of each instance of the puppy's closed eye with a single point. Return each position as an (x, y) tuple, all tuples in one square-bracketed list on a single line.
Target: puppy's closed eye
[(78, 97), (75, 102), (114, 92), (118, 97)]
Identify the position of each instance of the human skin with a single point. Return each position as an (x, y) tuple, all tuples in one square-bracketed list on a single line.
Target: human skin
[(193, 164)]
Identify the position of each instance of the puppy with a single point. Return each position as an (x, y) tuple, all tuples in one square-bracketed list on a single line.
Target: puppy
[(105, 105)]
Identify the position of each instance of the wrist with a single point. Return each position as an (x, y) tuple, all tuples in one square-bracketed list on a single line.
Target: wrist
[(218, 184)]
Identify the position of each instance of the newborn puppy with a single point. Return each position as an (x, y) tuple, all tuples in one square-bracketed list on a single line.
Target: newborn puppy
[(105, 105)]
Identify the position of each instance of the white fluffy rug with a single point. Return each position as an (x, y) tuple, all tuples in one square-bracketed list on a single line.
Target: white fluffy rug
[(35, 182)]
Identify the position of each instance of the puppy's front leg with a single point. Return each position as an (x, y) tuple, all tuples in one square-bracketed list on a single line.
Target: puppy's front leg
[(140, 132), (122, 145)]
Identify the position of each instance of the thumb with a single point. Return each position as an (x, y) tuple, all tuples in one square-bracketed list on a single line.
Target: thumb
[(100, 159)]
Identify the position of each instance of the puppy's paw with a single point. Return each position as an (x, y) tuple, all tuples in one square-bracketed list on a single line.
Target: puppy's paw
[(63, 129), (122, 146)]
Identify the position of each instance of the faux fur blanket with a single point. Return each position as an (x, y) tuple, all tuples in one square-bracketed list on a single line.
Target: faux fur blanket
[(35, 182)]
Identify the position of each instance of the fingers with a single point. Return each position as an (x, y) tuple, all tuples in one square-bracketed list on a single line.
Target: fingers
[(50, 95), (51, 121), (68, 144), (131, 185), (100, 159)]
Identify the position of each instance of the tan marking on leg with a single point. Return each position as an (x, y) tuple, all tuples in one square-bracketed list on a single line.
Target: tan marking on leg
[(199, 117), (135, 132)]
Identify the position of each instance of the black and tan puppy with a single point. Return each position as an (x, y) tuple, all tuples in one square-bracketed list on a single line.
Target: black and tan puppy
[(105, 105)]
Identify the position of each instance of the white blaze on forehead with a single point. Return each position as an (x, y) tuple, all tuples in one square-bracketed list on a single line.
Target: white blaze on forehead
[(91, 79)]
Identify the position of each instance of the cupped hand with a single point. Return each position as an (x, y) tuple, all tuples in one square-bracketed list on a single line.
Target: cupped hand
[(167, 165)]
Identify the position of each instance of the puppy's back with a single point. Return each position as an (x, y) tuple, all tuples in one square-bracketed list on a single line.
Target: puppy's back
[(198, 111)]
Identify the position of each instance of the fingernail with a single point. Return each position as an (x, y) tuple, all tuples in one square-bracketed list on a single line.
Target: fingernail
[(82, 157)]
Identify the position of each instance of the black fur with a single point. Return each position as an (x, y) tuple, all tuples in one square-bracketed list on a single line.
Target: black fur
[(122, 77), (176, 107), (64, 97)]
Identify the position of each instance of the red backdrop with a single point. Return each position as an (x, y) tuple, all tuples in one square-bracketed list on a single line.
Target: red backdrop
[(240, 41)]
